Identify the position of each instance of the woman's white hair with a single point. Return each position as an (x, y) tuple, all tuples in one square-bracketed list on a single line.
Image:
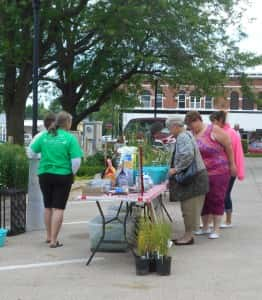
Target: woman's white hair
[(178, 121)]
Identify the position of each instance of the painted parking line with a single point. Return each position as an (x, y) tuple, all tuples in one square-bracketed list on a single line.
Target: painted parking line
[(48, 264), (76, 222)]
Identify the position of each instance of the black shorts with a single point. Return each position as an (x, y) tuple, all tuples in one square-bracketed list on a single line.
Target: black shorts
[(55, 189)]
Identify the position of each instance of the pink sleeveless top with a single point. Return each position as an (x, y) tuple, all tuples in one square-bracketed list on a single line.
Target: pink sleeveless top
[(213, 153)]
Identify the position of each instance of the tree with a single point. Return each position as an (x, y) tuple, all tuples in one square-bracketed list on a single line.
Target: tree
[(94, 48), (111, 110), (42, 111), (1, 88), (16, 27), (55, 106), (117, 43)]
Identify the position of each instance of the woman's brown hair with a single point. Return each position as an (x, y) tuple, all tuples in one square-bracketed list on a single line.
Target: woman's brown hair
[(62, 119), (219, 115), (192, 116)]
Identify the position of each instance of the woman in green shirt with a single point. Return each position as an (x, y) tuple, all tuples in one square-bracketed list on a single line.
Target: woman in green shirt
[(60, 159)]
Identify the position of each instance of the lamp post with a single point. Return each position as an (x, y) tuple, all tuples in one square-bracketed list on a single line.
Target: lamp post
[(36, 8), (35, 207), (155, 105)]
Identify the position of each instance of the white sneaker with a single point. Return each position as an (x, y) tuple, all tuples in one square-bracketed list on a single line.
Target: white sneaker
[(202, 232), (210, 226), (213, 236), (226, 226)]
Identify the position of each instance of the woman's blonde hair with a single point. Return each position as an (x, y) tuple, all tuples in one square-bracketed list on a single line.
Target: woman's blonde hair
[(62, 120)]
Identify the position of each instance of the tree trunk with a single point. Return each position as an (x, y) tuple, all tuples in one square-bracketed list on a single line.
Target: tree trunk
[(15, 120), (16, 91)]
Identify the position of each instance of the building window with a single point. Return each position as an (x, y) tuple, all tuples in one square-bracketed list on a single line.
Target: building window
[(247, 103), (234, 100), (181, 99), (208, 102), (145, 98), (195, 101)]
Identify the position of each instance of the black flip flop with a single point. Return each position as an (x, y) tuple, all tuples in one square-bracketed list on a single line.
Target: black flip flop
[(56, 245)]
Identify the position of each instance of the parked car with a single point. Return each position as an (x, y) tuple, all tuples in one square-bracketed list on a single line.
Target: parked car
[(255, 147)]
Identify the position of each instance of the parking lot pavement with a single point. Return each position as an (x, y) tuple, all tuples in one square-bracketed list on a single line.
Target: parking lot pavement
[(228, 268)]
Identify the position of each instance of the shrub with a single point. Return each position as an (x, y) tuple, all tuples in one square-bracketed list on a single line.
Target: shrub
[(13, 167), (92, 165), (244, 145)]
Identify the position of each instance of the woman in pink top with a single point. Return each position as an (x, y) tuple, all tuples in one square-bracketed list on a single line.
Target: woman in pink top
[(216, 150), (219, 118)]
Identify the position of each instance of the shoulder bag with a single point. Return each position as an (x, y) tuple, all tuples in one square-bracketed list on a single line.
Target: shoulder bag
[(187, 175)]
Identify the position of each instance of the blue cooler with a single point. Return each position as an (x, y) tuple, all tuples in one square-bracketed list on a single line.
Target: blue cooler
[(3, 233), (157, 173)]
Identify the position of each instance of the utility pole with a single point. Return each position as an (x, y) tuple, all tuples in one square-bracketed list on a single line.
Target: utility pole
[(36, 8)]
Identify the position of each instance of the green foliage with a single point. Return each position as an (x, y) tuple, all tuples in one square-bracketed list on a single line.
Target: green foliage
[(161, 234), (156, 156), (253, 154), (151, 155), (246, 88), (153, 237), (92, 165), (144, 234), (91, 49), (55, 106), (244, 145), (42, 111), (110, 112), (13, 166)]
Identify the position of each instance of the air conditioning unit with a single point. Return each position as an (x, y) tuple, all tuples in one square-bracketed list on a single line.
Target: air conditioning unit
[(90, 131)]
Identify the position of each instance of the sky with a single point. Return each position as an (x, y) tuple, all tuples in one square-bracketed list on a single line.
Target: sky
[(253, 29)]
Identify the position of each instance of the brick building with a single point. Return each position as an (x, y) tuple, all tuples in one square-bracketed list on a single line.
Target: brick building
[(186, 98)]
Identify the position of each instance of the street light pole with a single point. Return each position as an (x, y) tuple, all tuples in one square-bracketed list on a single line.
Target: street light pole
[(35, 208), (36, 8), (155, 106)]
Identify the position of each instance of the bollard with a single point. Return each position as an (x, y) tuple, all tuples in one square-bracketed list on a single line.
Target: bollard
[(35, 207)]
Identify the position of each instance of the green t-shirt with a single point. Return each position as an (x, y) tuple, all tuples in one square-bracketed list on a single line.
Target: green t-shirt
[(56, 152)]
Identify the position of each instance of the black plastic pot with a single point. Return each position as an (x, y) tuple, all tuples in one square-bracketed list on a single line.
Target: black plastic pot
[(142, 265), (163, 265), (152, 265)]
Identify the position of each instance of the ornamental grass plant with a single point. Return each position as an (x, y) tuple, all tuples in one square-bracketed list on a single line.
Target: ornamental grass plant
[(14, 167)]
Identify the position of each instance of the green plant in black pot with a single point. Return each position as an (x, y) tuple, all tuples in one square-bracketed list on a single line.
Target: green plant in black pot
[(13, 167), (161, 239), (143, 246)]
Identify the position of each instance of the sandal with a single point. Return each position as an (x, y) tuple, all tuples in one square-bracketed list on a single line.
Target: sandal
[(47, 241), (56, 245)]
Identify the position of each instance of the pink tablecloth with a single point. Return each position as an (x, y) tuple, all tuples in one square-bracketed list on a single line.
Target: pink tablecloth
[(148, 196)]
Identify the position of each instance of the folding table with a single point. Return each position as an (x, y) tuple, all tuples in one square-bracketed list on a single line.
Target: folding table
[(146, 201)]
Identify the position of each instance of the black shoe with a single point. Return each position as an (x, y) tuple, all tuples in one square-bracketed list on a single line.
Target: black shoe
[(190, 242)]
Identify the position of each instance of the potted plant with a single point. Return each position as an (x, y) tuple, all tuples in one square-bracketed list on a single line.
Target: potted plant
[(143, 246), (161, 238)]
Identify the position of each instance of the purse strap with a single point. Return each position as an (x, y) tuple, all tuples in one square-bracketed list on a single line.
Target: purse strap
[(174, 152)]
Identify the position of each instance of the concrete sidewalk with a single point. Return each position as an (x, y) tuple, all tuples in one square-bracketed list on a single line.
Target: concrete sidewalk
[(229, 268)]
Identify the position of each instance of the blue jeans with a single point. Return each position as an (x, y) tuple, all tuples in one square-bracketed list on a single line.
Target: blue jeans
[(228, 200)]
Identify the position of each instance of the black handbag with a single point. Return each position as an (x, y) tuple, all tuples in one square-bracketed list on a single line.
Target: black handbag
[(186, 176)]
